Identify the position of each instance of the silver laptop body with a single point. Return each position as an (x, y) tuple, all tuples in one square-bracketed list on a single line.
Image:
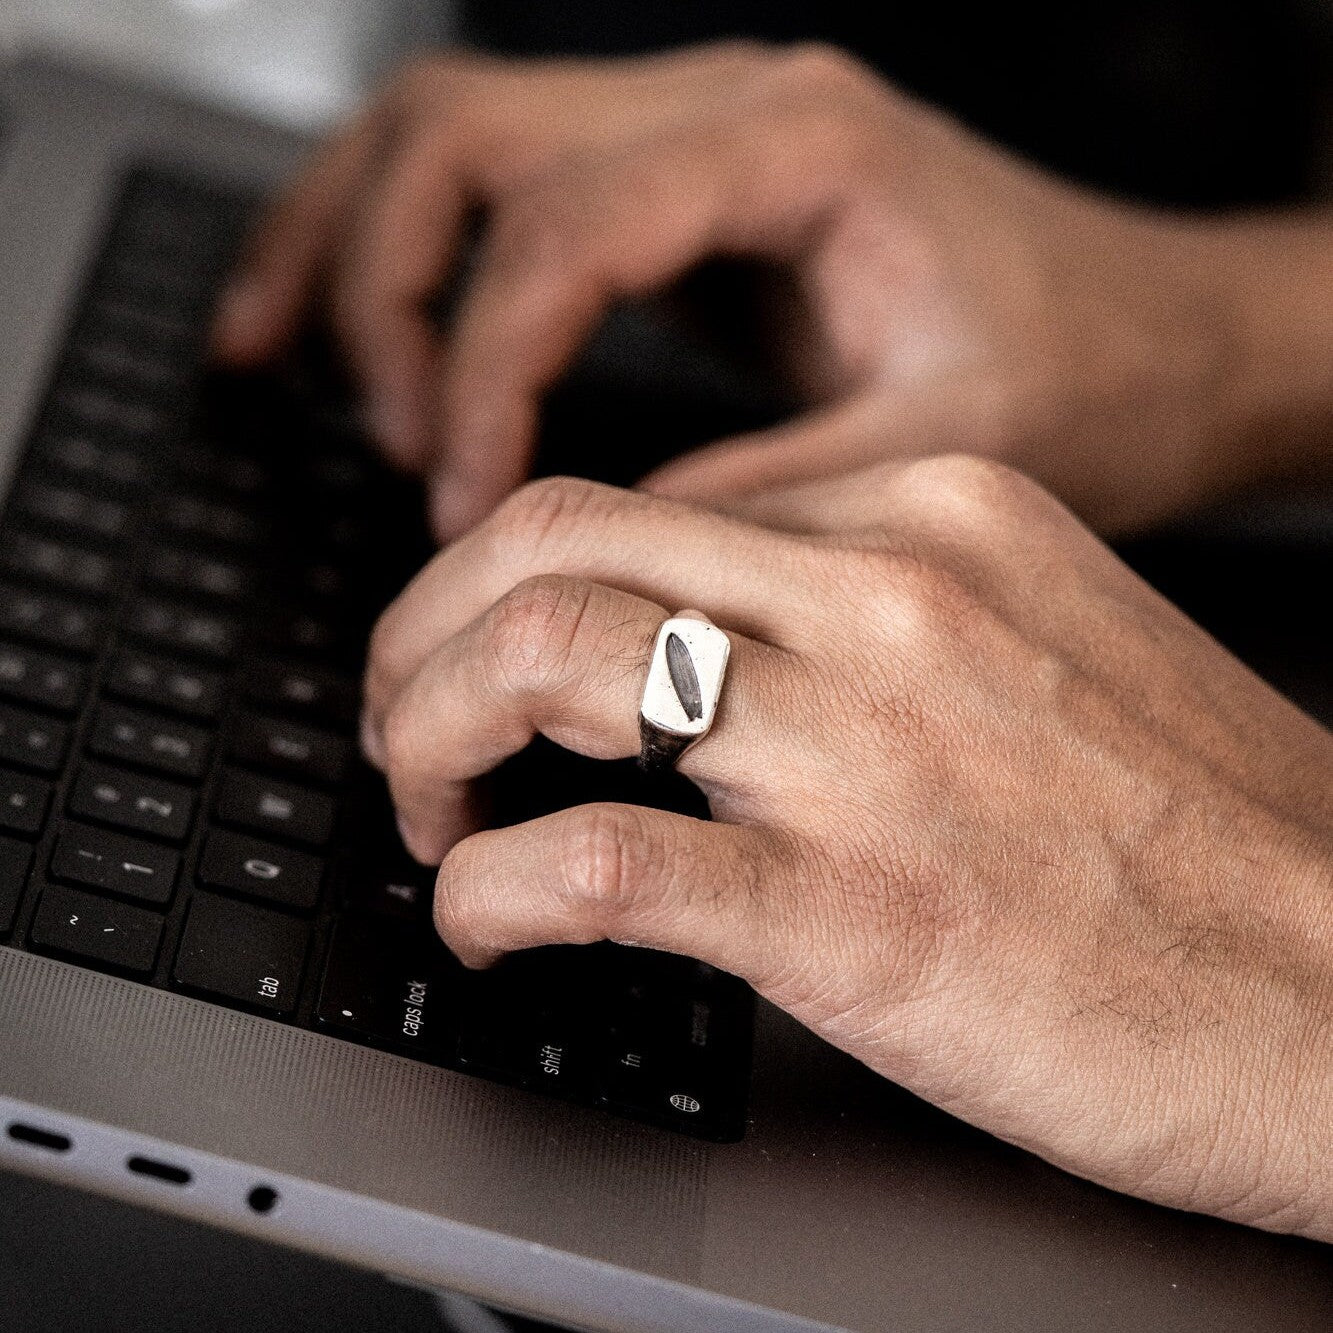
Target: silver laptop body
[(848, 1204)]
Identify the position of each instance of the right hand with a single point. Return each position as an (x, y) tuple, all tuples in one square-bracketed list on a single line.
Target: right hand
[(941, 295), (988, 813)]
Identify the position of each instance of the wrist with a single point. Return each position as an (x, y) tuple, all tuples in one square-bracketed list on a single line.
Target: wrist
[(1270, 281)]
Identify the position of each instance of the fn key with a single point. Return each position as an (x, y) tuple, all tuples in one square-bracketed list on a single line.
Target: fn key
[(241, 955)]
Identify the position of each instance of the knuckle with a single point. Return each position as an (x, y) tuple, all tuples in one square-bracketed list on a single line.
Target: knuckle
[(421, 77), (736, 51), (540, 514), (829, 104), (604, 861), (914, 595), (967, 489), (820, 65), (539, 226), (533, 630)]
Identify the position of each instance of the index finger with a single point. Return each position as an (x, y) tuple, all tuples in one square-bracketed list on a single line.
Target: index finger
[(261, 308)]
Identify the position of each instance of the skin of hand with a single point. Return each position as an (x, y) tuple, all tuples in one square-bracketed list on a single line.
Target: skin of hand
[(989, 814), (934, 294)]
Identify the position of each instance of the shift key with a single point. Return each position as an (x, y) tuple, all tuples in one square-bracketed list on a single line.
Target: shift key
[(242, 955)]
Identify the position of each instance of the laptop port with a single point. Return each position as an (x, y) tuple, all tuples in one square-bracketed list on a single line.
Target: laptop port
[(263, 1199), (40, 1138), (163, 1171)]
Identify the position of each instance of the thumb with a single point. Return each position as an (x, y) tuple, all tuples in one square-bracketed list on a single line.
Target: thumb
[(809, 473), (825, 442)]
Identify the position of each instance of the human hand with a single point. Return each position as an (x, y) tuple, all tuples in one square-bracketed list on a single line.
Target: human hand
[(989, 814), (930, 293)]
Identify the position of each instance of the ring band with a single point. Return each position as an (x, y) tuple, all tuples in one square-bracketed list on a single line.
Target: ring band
[(680, 698)]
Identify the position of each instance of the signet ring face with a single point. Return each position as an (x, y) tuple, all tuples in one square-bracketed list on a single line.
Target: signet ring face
[(684, 684)]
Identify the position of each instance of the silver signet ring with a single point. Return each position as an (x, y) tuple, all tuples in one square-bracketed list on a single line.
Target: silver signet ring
[(684, 685)]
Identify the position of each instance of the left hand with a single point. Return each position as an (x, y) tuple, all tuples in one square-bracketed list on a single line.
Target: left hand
[(989, 814), (929, 291)]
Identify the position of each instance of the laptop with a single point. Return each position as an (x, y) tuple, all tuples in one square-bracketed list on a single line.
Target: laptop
[(220, 994)]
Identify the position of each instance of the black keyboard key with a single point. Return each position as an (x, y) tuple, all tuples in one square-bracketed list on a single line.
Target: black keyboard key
[(171, 747), (262, 870), (128, 801), (307, 752), (15, 862), (58, 562), (305, 690), (65, 507), (242, 954), (404, 893), (40, 678), (677, 1048), (102, 860), (213, 467), (164, 683), (181, 629), (534, 1048), (206, 519), (257, 803), (97, 930), (23, 803), (81, 455), (391, 985), (129, 365), (102, 414), (527, 1022), (297, 632), (191, 572), (49, 619), (31, 741)]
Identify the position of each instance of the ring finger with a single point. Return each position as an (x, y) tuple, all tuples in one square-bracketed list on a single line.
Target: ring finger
[(566, 658)]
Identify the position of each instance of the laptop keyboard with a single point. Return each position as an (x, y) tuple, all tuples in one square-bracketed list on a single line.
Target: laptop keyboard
[(189, 570)]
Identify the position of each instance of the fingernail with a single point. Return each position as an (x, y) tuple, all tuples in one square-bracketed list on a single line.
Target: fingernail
[(417, 852), (371, 745)]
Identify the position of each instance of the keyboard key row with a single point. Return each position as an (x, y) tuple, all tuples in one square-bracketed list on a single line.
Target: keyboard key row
[(144, 678), (127, 801), (175, 748), (73, 509), (69, 567), (39, 678), (50, 620)]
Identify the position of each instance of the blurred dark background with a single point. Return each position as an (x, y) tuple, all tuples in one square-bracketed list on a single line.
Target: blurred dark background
[(1175, 101)]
